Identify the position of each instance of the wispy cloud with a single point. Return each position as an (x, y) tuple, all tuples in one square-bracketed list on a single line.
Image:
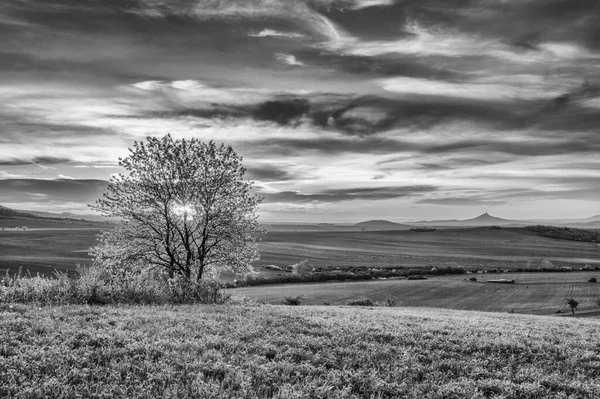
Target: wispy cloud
[(288, 59), (476, 103), (275, 33)]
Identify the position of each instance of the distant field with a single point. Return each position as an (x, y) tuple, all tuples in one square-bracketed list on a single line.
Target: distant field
[(537, 293), (471, 247), (293, 352), (44, 250)]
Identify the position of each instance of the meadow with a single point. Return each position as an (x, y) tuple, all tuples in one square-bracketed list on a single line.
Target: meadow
[(44, 249), (534, 293), (293, 352), (478, 247)]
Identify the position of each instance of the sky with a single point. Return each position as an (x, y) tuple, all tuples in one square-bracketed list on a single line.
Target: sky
[(343, 110)]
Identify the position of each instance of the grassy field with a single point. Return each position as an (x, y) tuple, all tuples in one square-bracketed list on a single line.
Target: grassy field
[(293, 352), (537, 293), (62, 248), (471, 247), (45, 250)]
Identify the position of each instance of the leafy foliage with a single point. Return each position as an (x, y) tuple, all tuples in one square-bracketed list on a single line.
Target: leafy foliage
[(360, 302), (572, 303), (292, 300), (93, 286), (185, 209)]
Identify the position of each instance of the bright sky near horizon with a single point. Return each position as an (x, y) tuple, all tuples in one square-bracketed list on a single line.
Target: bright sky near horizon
[(344, 110)]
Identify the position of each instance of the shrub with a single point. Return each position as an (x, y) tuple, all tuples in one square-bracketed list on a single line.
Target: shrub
[(302, 268), (274, 267), (292, 300), (502, 281), (94, 286), (473, 279), (390, 301), (360, 302), (422, 229), (419, 277), (592, 280)]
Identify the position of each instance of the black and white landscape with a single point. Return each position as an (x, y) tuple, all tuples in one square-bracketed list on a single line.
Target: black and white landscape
[(299, 198)]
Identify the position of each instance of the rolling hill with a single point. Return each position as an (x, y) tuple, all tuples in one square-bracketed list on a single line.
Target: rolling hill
[(380, 225), (482, 220)]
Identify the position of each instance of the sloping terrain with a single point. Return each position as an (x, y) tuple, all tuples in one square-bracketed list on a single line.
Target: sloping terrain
[(534, 293), (471, 247), (283, 352)]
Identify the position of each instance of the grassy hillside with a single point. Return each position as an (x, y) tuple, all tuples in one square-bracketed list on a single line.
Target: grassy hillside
[(482, 247), (285, 352), (538, 293), (567, 233), (471, 247), (44, 250)]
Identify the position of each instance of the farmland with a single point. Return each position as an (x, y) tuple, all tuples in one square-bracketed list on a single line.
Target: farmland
[(536, 293), (44, 250), (282, 352), (478, 247)]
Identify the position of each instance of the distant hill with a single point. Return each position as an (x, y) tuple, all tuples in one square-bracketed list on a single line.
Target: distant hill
[(487, 220), (33, 219), (482, 220), (66, 215), (12, 213), (380, 225)]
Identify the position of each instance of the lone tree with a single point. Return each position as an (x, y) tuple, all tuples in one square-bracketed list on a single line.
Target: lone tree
[(184, 208), (572, 303)]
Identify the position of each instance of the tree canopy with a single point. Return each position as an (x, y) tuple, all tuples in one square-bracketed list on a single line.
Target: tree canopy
[(184, 208)]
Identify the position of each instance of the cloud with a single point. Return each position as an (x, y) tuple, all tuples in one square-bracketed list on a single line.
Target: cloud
[(453, 201), (51, 192), (281, 111), (496, 88), (464, 96), (45, 160), (361, 4), (274, 33), (288, 59), (348, 194), (269, 172)]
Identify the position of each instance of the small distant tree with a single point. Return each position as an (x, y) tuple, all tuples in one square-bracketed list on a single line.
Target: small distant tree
[(184, 209), (572, 303), (302, 268)]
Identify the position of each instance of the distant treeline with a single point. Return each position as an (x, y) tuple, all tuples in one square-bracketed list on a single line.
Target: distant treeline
[(567, 233), (352, 273), (345, 274), (422, 229)]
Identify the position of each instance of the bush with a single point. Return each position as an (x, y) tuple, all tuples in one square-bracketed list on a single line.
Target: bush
[(390, 301), (360, 302), (419, 277), (292, 300), (592, 280), (93, 286), (302, 268), (422, 229), (473, 279)]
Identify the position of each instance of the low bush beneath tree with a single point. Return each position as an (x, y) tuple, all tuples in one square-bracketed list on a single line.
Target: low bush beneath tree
[(360, 302), (93, 286)]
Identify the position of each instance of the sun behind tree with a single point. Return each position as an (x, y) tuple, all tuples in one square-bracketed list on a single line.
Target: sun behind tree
[(184, 208)]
